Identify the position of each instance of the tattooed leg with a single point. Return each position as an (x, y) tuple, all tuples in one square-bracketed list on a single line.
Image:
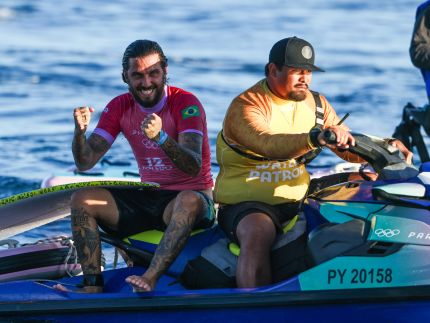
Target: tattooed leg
[(189, 207), (87, 241), (88, 207)]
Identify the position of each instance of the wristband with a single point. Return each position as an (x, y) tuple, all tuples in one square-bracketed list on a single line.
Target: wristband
[(163, 137), (391, 140)]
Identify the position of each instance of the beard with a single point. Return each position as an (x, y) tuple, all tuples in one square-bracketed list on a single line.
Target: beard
[(297, 95), (148, 103)]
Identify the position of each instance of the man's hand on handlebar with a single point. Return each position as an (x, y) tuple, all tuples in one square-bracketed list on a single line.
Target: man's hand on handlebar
[(405, 151), (344, 138)]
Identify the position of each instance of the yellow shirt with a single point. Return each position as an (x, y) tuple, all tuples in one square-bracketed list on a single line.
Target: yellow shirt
[(260, 123)]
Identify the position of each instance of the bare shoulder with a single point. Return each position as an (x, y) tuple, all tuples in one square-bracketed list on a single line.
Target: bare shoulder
[(191, 140), (98, 144)]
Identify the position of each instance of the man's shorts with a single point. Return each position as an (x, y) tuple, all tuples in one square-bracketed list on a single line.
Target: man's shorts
[(142, 210), (229, 216)]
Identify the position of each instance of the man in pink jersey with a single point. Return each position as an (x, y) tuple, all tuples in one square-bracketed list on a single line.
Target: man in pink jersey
[(166, 129)]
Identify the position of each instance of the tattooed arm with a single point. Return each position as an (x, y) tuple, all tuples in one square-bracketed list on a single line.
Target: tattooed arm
[(87, 152), (186, 154)]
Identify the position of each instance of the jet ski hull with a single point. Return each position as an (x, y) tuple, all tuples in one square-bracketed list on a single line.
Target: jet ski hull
[(285, 302)]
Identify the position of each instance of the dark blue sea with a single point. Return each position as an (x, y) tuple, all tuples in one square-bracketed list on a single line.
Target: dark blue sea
[(59, 55)]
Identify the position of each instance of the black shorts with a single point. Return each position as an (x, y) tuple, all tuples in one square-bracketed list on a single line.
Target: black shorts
[(229, 216), (142, 210)]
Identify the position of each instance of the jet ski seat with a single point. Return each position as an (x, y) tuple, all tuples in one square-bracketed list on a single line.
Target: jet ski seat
[(152, 236), (148, 241)]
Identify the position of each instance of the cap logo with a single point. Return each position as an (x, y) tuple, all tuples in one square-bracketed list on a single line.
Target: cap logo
[(307, 52)]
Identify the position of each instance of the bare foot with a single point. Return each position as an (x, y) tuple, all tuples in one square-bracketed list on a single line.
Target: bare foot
[(140, 284), (87, 289)]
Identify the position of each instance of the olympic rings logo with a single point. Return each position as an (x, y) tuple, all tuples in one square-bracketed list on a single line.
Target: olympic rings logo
[(386, 233), (149, 144)]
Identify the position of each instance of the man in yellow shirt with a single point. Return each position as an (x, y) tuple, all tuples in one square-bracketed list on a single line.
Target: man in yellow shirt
[(266, 132)]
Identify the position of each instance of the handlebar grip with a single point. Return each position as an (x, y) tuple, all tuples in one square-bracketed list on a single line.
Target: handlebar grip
[(329, 137)]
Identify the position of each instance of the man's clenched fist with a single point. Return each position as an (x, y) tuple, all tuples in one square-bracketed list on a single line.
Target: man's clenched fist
[(152, 126), (82, 118)]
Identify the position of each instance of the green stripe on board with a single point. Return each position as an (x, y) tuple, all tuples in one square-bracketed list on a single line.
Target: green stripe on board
[(42, 191)]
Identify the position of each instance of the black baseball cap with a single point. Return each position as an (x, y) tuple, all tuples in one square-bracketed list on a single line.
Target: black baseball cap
[(294, 52)]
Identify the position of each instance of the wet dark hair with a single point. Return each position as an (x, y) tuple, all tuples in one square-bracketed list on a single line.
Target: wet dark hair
[(278, 67), (142, 48)]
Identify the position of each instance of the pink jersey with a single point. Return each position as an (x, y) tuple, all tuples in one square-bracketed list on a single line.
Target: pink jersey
[(180, 112)]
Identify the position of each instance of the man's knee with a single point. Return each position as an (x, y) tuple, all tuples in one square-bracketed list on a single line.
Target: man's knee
[(90, 199), (189, 203), (189, 198), (84, 196), (256, 231)]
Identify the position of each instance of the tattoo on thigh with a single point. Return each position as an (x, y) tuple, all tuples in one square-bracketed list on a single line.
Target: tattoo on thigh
[(200, 212)]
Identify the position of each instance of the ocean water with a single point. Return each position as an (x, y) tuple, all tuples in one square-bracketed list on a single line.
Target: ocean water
[(56, 56)]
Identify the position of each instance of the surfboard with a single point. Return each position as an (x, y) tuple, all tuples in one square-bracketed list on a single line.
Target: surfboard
[(101, 172), (29, 210)]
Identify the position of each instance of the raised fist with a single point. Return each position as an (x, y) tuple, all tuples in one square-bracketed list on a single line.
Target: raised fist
[(152, 126), (82, 118)]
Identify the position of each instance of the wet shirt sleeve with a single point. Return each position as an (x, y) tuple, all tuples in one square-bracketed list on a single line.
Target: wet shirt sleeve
[(190, 115), (247, 124)]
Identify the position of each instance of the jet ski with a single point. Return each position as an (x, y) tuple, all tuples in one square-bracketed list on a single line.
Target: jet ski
[(367, 248)]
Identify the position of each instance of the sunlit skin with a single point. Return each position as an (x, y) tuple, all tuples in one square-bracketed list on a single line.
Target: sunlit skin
[(144, 76), (95, 202), (283, 83)]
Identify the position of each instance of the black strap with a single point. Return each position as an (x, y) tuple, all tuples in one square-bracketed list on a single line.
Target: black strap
[(247, 155), (310, 156), (320, 111), (93, 280), (304, 159)]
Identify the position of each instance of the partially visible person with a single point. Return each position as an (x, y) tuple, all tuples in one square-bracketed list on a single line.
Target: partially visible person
[(420, 44), (167, 131), (268, 131)]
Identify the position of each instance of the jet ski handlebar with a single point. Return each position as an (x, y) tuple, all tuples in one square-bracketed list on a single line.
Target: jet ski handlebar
[(329, 136), (385, 159)]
